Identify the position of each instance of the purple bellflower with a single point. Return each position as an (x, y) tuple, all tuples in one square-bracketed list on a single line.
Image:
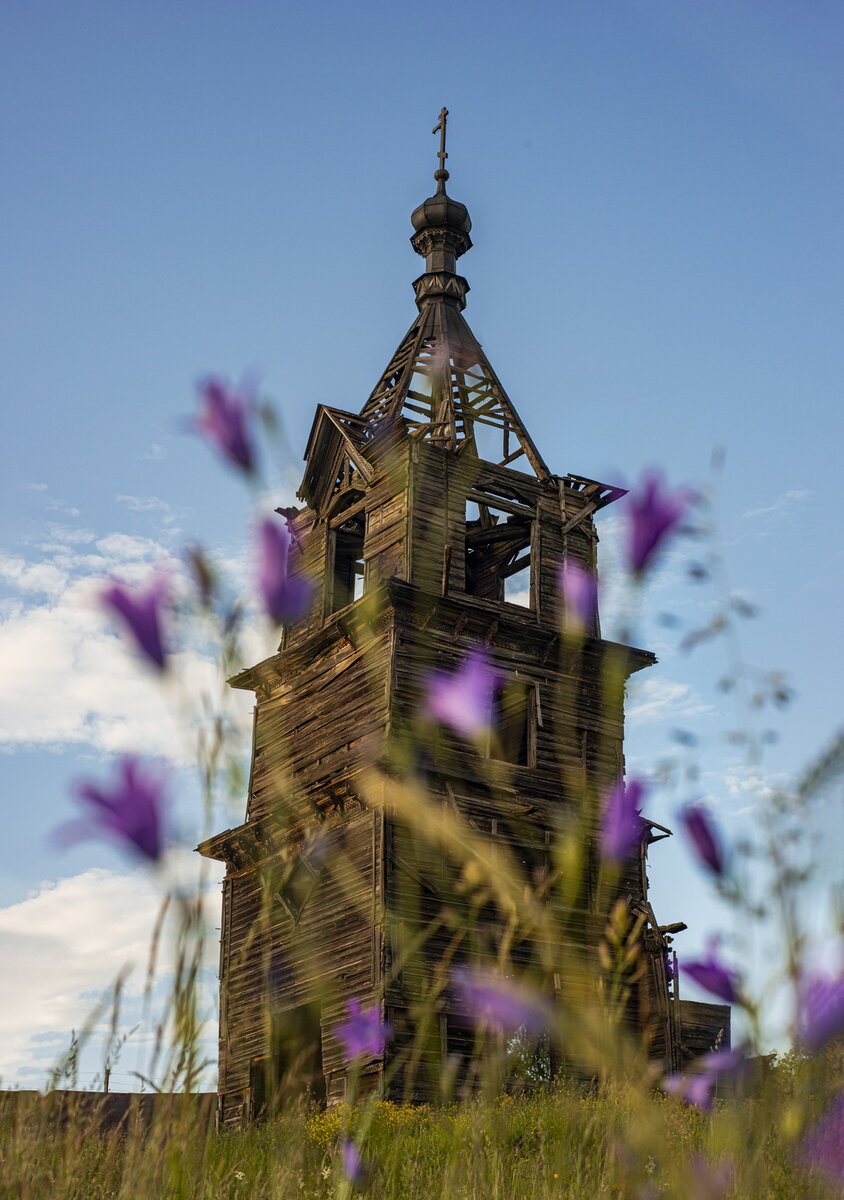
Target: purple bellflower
[(286, 597), (139, 610), (698, 1087), (713, 976), (224, 421), (579, 589), (821, 1010), (822, 1148), (652, 513), (463, 698), (704, 836), (622, 827), (710, 1182), (501, 1004), (363, 1032), (130, 810), (354, 1167)]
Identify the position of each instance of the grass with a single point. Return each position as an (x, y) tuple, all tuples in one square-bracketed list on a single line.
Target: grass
[(560, 1143)]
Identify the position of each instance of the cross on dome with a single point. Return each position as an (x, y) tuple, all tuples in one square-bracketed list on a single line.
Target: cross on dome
[(441, 175)]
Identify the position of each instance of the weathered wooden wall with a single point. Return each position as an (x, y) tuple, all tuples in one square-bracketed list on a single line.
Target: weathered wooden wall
[(301, 936), (703, 1028), (321, 710)]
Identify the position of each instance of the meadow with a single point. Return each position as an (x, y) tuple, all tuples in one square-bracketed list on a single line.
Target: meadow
[(564, 1143)]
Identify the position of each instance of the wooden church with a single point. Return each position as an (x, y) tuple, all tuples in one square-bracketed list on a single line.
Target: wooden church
[(431, 527)]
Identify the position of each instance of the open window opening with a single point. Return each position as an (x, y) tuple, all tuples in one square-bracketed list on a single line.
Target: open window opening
[(348, 575), (490, 436), (499, 563), (530, 1060), (517, 586), (530, 1057)]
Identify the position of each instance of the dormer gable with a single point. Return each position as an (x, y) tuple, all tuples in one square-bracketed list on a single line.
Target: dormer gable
[(338, 450)]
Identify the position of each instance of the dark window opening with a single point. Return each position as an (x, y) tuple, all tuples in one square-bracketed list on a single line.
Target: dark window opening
[(514, 724), (348, 576), (498, 554), (298, 880), (535, 859), (292, 1068), (458, 1040)]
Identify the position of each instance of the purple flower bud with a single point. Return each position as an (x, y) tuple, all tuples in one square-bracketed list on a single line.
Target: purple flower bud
[(579, 589), (622, 827), (363, 1032), (224, 421), (652, 513), (140, 611), (501, 1004), (130, 810), (822, 1148), (821, 1010), (354, 1167), (463, 698), (704, 836), (286, 597), (698, 1087), (713, 976)]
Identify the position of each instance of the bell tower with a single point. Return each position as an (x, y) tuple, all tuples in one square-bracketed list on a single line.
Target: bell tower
[(432, 530)]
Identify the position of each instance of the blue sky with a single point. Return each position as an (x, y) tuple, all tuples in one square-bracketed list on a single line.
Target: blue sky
[(656, 196)]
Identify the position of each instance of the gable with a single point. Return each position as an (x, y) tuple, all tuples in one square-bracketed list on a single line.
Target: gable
[(336, 456)]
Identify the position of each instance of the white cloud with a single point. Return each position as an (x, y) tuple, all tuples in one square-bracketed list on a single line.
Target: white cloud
[(32, 577), (152, 506), (784, 503), (748, 785), (155, 453), (55, 504), (71, 535), (68, 679), (144, 503), (663, 699), (66, 944), (127, 547), (71, 678)]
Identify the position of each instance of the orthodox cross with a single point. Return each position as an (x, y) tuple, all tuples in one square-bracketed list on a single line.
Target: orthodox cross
[(440, 129)]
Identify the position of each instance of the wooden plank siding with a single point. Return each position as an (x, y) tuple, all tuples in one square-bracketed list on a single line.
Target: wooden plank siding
[(704, 1027), (348, 688)]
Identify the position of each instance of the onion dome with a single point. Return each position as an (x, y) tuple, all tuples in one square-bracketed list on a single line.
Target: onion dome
[(441, 210), (441, 235)]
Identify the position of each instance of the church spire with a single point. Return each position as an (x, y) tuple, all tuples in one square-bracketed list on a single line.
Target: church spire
[(442, 228), (440, 381)]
